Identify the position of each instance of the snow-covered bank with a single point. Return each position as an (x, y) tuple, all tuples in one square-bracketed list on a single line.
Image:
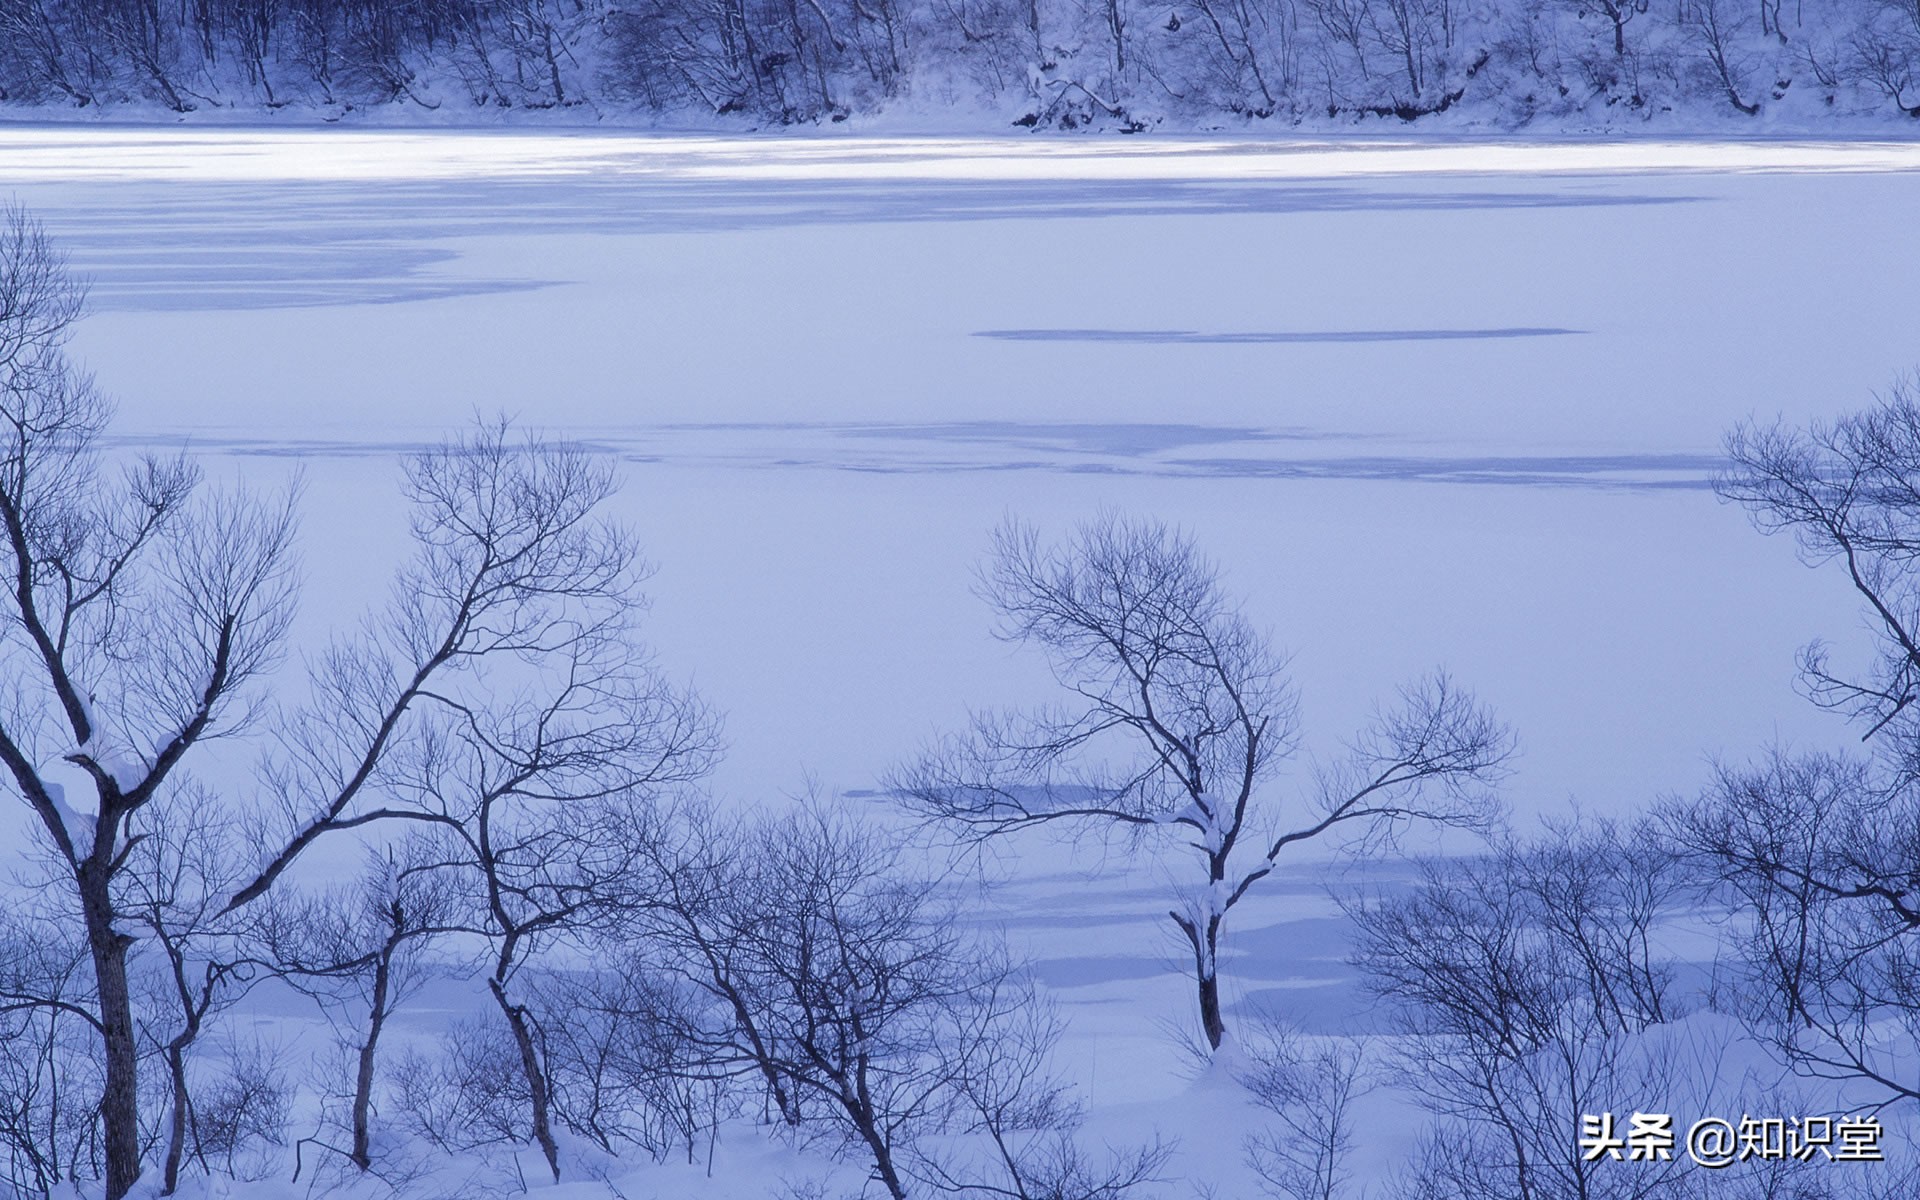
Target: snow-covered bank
[(263, 153), (984, 65)]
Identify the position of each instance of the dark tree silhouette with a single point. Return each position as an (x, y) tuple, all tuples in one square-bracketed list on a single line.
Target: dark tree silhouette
[(1177, 712)]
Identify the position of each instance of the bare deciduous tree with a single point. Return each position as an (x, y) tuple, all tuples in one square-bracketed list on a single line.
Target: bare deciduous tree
[(1823, 851), (185, 857), (518, 587), (1720, 33), (506, 705), (1512, 1028), (1886, 55), (1820, 862), (547, 868), (1008, 1100), (857, 986), (629, 1052), (359, 952), (500, 698), (1311, 1088), (696, 897), (49, 1052), (1178, 712), (138, 609), (1849, 492), (840, 978)]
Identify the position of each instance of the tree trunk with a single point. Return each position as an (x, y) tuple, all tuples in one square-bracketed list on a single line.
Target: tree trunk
[(1205, 940), (536, 1077), (1210, 1019), (362, 1154), (789, 1111), (883, 1168), (177, 1131), (553, 67), (120, 1096), (180, 1125)]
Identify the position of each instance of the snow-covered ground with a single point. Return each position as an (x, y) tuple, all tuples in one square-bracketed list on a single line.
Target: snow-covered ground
[(1428, 403)]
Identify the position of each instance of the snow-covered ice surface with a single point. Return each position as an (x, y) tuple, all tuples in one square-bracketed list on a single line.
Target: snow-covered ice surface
[(1429, 403)]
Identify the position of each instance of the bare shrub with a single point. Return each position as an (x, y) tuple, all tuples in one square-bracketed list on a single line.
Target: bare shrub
[(1512, 1026), (241, 1113), (470, 1094), (841, 980), (1310, 1087), (623, 1069)]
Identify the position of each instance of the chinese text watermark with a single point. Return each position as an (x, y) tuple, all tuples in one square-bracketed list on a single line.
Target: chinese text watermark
[(1716, 1142)]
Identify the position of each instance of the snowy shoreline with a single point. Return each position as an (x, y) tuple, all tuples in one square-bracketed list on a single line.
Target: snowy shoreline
[(233, 152), (1468, 124)]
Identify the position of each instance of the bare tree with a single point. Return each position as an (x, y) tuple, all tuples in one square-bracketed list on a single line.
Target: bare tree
[(1819, 859), (1310, 1088), (1618, 15), (695, 900), (535, 792), (49, 1051), (1022, 1120), (547, 867), (1417, 32), (147, 39), (629, 1051), (1849, 492), (1178, 713), (503, 700), (1719, 33), (359, 952), (1886, 55), (1823, 852), (37, 43), (138, 609), (856, 985), (517, 593), (184, 859), (1246, 59), (501, 686), (842, 979), (1514, 1029), (1601, 889)]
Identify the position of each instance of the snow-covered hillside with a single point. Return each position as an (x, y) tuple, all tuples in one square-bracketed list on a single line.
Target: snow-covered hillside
[(1737, 66)]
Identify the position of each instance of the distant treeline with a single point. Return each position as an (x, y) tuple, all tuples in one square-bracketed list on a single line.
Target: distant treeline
[(1041, 62)]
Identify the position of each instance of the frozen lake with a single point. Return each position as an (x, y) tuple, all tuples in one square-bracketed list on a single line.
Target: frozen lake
[(1429, 404)]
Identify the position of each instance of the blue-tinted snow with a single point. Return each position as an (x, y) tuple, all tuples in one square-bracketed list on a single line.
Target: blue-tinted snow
[(1009, 446), (201, 247), (1271, 337), (1418, 417), (780, 341)]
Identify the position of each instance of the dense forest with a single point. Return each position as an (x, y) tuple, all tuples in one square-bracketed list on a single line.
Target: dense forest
[(1125, 64)]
